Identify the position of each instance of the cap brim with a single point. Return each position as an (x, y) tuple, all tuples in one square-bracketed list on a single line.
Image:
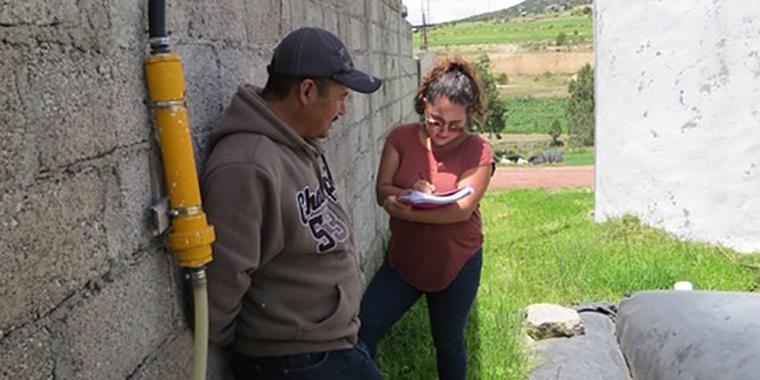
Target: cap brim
[(359, 81)]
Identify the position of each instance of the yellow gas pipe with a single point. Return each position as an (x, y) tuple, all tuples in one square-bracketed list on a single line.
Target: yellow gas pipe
[(190, 236)]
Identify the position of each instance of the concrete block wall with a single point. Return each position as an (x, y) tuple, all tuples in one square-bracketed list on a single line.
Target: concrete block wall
[(678, 117), (88, 292)]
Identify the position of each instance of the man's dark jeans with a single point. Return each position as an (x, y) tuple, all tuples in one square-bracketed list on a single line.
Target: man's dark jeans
[(388, 297), (352, 363)]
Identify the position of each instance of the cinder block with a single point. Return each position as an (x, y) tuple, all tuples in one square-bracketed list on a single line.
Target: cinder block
[(314, 14), (392, 69), (389, 118), (393, 42), (178, 16), (394, 20), (27, 354), (16, 148), (355, 138), (395, 5), (330, 20), (395, 112), (238, 67), (53, 242), (408, 114), (262, 21), (382, 43), (203, 97), (129, 197), (408, 67), (385, 14), (38, 13), (339, 155), (127, 18), (374, 11), (13, 144), (172, 362), (209, 20), (363, 62), (381, 221), (361, 174), (355, 8), (377, 67), (109, 334), (406, 39), (363, 220), (293, 16), (127, 99), (353, 33), (357, 109), (69, 105)]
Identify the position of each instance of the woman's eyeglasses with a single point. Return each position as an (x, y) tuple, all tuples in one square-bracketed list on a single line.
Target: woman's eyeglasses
[(440, 125)]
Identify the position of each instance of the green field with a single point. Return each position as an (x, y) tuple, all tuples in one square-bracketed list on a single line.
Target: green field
[(534, 115), (542, 246), (523, 31)]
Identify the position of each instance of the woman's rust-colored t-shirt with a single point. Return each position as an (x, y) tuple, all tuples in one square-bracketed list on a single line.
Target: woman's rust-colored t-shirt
[(429, 256)]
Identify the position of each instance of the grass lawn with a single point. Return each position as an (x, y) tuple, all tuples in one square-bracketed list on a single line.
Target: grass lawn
[(542, 246), (580, 157), (528, 30)]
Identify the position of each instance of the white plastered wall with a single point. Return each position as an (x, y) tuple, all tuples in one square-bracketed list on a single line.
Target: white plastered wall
[(678, 117)]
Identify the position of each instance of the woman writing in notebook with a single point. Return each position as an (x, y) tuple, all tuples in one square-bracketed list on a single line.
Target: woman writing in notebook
[(434, 252)]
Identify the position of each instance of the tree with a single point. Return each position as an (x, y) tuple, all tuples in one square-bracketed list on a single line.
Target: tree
[(580, 108), (555, 131), (496, 113)]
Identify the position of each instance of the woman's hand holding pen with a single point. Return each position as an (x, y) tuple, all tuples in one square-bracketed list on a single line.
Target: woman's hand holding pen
[(423, 185)]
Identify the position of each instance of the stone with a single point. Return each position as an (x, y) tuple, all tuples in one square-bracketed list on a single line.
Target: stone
[(552, 321)]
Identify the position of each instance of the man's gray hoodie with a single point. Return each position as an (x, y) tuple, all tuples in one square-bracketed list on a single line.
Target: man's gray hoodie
[(285, 275)]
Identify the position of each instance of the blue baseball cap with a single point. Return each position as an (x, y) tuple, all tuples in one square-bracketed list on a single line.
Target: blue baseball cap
[(317, 53)]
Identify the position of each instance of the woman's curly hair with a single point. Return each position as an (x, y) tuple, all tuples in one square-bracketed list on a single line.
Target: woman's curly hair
[(456, 79)]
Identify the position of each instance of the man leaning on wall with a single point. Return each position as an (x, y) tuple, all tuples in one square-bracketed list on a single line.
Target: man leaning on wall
[(284, 287)]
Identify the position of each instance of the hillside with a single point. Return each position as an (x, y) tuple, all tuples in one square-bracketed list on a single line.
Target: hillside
[(576, 28), (528, 7)]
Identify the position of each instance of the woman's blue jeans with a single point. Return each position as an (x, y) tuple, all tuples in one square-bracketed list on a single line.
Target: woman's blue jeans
[(388, 297)]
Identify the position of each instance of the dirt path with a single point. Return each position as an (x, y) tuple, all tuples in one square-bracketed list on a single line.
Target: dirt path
[(542, 177)]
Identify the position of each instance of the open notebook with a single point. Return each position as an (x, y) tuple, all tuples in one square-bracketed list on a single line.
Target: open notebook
[(419, 199)]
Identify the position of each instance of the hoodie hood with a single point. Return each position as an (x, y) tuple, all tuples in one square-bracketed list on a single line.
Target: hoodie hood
[(249, 113)]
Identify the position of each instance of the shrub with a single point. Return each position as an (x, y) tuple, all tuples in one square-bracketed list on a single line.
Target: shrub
[(561, 39), (580, 108)]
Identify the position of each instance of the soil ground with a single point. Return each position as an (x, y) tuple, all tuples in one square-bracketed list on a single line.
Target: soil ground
[(542, 177)]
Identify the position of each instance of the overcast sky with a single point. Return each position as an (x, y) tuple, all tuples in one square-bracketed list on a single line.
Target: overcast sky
[(448, 10)]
